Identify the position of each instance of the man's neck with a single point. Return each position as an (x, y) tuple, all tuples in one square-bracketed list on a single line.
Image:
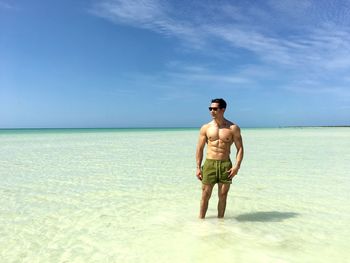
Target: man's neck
[(220, 122)]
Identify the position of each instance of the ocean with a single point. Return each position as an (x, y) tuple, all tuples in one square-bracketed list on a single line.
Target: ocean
[(131, 195)]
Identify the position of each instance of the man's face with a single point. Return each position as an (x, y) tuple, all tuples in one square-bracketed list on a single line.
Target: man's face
[(215, 111)]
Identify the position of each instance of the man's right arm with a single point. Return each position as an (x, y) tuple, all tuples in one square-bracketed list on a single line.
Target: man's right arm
[(199, 152)]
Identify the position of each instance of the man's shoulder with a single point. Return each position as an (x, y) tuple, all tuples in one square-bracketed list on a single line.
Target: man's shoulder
[(204, 128), (207, 125), (234, 127)]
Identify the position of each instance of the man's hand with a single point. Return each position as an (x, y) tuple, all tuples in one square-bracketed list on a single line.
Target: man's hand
[(232, 172), (199, 174)]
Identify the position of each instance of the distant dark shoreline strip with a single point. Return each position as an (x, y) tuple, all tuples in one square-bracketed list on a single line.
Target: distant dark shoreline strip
[(193, 127), (149, 128)]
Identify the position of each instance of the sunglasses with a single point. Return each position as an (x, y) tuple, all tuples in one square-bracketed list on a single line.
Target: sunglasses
[(213, 108)]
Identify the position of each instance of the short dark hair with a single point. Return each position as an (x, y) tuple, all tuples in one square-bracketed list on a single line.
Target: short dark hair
[(222, 103)]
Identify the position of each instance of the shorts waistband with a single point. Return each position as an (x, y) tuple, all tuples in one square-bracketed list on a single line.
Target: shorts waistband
[(220, 161)]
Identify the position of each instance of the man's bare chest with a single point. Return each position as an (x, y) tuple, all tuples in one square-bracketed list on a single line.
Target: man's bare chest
[(219, 134)]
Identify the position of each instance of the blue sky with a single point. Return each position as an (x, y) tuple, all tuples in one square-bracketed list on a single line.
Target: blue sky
[(148, 63)]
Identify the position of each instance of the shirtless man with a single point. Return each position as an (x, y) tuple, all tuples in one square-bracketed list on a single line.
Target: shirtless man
[(219, 134)]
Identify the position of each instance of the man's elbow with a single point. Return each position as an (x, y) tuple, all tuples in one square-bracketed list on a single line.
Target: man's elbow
[(240, 150)]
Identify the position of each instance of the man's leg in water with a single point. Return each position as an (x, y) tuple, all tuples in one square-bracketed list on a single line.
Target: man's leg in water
[(206, 193), (222, 192)]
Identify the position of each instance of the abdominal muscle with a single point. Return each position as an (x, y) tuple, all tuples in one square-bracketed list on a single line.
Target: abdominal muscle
[(218, 150)]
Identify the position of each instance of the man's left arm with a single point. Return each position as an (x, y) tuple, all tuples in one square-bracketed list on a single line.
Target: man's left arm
[(237, 139)]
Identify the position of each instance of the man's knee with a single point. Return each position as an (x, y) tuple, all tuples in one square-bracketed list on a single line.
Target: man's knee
[(206, 192), (223, 192), (223, 196)]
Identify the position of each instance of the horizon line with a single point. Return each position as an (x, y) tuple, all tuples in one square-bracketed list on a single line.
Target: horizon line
[(170, 127)]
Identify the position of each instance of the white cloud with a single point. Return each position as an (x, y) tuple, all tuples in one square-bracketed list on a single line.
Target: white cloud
[(147, 14), (290, 7), (198, 73), (137, 11), (314, 46), (212, 77), (266, 48), (6, 5), (187, 75), (311, 43), (322, 88)]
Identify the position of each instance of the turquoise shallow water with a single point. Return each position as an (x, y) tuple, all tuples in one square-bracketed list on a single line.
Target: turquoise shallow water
[(132, 196)]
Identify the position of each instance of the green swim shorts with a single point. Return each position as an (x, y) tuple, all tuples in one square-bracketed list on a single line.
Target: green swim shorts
[(216, 171)]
